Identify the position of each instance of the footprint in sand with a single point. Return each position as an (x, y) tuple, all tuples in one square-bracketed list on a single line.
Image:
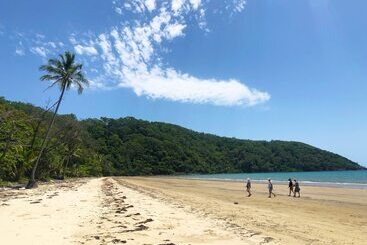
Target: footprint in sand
[(36, 201), (116, 241), (145, 221)]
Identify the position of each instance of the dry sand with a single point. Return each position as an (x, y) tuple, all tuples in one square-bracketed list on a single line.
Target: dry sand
[(176, 211), (50, 214), (321, 216), (101, 211)]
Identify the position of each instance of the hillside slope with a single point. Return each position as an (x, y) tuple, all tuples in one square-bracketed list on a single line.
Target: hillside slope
[(128, 146), (140, 147)]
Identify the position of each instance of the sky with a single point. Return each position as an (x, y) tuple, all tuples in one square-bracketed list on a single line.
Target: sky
[(255, 69)]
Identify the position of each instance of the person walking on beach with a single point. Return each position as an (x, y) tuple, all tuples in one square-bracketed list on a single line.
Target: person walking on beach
[(270, 187), (296, 188), (248, 187), (290, 186)]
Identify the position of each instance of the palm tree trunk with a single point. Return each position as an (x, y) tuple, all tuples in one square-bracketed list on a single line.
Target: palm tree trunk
[(35, 132), (32, 180), (66, 165)]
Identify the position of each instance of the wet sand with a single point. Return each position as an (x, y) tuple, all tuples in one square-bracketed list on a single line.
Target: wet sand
[(321, 216), (167, 211)]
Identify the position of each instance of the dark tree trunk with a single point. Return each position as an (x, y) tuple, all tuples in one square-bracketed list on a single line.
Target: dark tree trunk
[(36, 130), (66, 164), (32, 180)]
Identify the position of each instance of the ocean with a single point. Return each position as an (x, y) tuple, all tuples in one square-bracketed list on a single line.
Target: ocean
[(350, 179)]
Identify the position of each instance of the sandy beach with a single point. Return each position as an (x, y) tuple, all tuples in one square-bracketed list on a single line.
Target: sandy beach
[(177, 211)]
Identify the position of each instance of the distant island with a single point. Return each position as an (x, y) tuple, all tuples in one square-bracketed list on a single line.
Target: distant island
[(128, 146)]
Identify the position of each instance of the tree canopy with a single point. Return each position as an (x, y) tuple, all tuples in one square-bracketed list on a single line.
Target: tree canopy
[(128, 146), (134, 147), (64, 72)]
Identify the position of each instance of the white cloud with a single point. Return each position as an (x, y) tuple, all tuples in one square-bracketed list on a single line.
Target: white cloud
[(150, 4), (87, 50), (137, 6), (177, 5), (51, 44), (106, 49), (118, 10), (195, 4), (40, 36), (239, 5), (171, 85), (19, 51), (130, 56), (95, 84), (235, 6), (35, 43), (41, 51), (174, 30), (72, 39), (127, 6)]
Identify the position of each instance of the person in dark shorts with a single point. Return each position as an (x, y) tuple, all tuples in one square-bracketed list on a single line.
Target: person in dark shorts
[(290, 186), (297, 189), (248, 187), (270, 187)]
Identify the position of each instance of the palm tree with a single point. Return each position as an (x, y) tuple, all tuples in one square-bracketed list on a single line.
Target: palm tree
[(65, 73)]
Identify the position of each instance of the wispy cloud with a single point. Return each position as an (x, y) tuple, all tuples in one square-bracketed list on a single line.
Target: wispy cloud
[(195, 4), (239, 5), (36, 44), (19, 51), (129, 54), (85, 50), (41, 51), (150, 4)]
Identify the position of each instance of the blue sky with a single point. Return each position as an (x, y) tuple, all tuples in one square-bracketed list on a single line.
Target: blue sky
[(256, 69)]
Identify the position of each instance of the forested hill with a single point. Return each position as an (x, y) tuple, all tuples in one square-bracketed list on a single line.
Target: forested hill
[(128, 146), (140, 147)]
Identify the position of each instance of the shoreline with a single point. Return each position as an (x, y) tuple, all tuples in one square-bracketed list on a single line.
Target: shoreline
[(142, 210), (360, 186), (206, 177), (310, 219), (342, 185)]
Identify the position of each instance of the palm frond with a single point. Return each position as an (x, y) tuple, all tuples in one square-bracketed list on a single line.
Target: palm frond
[(49, 77), (80, 88), (53, 84), (52, 69), (64, 72), (63, 59)]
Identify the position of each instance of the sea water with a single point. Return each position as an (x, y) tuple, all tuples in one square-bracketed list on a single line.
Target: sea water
[(350, 179)]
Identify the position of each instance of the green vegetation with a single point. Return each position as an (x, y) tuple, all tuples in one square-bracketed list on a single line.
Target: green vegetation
[(38, 143), (128, 146), (63, 72), (134, 147), (22, 131)]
